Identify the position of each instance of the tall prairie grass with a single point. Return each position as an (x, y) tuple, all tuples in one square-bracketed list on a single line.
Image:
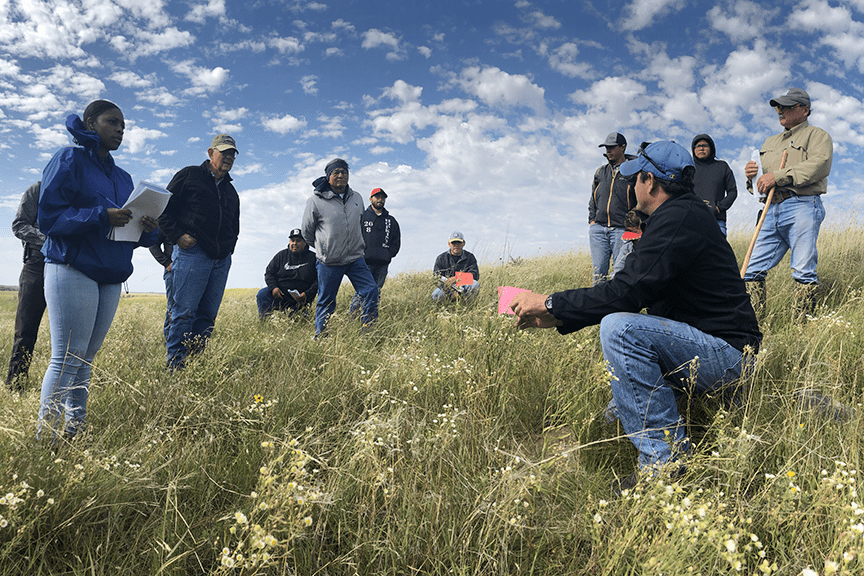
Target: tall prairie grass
[(443, 441)]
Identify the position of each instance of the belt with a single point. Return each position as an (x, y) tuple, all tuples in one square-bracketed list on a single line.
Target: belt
[(781, 195)]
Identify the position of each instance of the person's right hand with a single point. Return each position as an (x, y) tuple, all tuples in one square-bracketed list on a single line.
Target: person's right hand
[(277, 293), (186, 241), (119, 217), (750, 169)]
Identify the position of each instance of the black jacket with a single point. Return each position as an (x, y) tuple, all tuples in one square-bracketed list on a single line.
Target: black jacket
[(382, 236), (293, 271), (446, 264), (162, 250), (612, 196), (197, 207), (714, 182), (682, 269)]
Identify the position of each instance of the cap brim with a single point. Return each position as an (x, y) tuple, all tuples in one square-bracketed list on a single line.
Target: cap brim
[(631, 167), (785, 101)]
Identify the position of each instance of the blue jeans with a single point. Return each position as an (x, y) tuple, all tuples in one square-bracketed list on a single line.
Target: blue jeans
[(329, 279), (80, 312), (722, 224), (626, 249), (379, 274), (604, 242), (267, 303), (653, 361), (792, 224), (197, 286), (169, 297), (467, 292)]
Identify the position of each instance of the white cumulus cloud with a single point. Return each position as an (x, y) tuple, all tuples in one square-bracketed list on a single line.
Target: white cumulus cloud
[(212, 9), (494, 87), (283, 124), (640, 14)]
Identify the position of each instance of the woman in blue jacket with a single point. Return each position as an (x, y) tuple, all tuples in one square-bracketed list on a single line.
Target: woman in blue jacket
[(80, 202)]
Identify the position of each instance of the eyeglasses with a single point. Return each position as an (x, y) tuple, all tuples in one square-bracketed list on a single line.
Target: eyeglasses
[(641, 152), (339, 171), (701, 145), (230, 153)]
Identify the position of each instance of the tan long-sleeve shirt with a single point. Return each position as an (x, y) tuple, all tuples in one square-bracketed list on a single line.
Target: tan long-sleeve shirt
[(808, 163)]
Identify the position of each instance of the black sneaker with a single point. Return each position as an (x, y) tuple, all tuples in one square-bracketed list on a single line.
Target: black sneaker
[(628, 483)]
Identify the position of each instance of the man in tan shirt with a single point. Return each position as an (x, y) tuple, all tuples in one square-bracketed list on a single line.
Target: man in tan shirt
[(795, 214)]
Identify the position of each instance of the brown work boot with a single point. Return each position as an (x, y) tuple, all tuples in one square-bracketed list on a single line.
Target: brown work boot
[(758, 295)]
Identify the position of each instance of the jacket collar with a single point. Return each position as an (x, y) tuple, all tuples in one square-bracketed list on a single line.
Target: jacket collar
[(89, 141), (206, 167), (795, 129), (325, 192)]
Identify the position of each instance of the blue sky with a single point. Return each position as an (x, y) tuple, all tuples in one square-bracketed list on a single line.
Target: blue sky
[(479, 116)]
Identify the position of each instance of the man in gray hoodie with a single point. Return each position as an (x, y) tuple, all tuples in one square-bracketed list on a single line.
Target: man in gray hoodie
[(331, 225)]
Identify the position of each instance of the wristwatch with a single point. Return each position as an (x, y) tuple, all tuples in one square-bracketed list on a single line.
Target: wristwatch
[(549, 305)]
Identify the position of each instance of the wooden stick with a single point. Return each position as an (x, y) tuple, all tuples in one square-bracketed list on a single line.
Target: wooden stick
[(768, 200)]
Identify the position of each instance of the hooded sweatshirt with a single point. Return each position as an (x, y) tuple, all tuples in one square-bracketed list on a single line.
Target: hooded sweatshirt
[(78, 187), (713, 182), (681, 269), (331, 225), (293, 271), (382, 236)]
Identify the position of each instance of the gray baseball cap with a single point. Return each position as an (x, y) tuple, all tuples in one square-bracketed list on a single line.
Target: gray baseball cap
[(614, 139), (791, 97)]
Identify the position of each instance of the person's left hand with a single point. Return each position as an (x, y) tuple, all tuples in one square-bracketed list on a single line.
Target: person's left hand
[(765, 183), (149, 223), (530, 310)]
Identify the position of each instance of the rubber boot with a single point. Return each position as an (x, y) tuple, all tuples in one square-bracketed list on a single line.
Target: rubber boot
[(805, 302), (758, 295)]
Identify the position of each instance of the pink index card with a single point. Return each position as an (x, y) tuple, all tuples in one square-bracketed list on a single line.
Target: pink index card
[(464, 279), (505, 296)]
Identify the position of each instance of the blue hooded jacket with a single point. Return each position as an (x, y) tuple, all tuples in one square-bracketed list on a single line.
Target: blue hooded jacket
[(77, 189)]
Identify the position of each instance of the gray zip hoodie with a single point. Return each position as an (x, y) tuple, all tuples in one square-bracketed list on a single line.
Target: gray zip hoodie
[(331, 225)]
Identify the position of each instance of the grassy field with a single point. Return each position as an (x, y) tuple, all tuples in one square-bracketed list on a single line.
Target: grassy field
[(442, 442)]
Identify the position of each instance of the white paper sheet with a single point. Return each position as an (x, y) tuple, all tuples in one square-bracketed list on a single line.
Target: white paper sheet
[(755, 158), (146, 200)]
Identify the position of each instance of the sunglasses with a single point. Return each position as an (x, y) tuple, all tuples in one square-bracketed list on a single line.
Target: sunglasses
[(642, 152)]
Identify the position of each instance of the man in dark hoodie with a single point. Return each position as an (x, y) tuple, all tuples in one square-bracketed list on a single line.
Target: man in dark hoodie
[(383, 240), (611, 199), (331, 225), (700, 332), (713, 182), (202, 220), (291, 278)]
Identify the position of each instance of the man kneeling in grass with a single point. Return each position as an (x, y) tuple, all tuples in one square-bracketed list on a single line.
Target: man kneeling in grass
[(700, 332)]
